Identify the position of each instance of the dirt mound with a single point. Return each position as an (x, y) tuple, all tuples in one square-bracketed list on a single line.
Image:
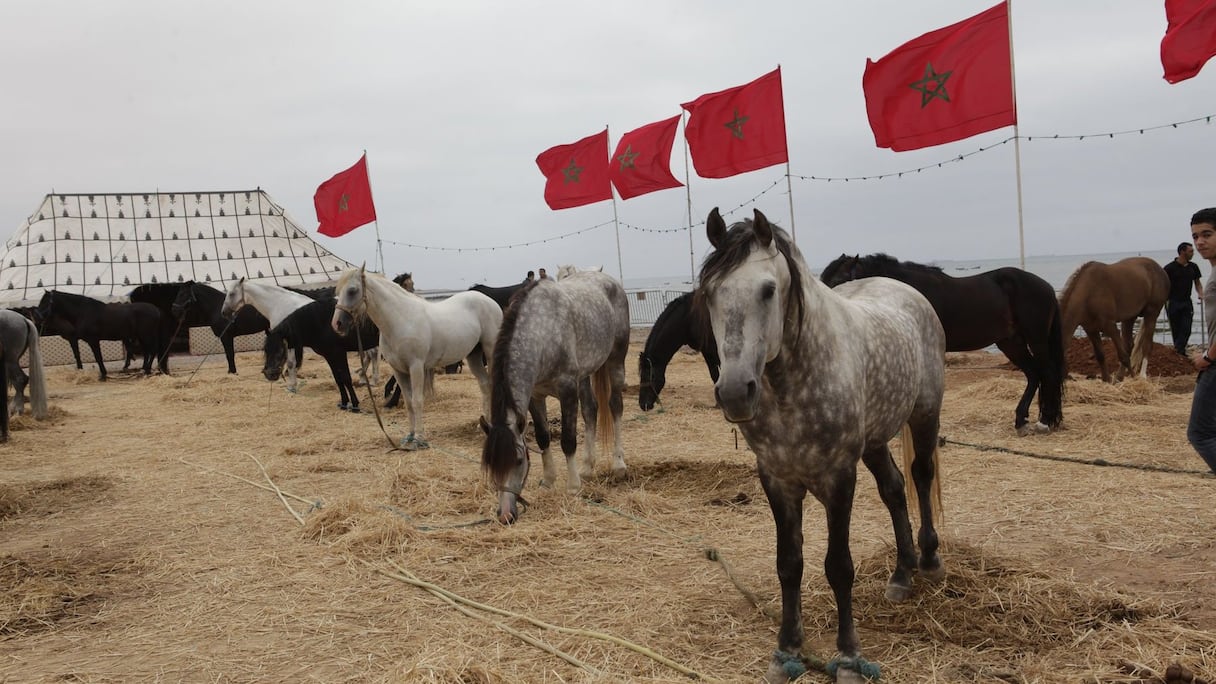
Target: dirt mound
[(44, 498), (1163, 361)]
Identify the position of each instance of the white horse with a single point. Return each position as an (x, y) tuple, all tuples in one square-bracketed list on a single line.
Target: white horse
[(416, 334), (277, 303), (273, 302), (567, 270), (18, 335)]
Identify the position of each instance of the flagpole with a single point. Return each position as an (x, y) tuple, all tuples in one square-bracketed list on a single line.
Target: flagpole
[(616, 222), (789, 191), (379, 245), (1017, 139), (692, 269)]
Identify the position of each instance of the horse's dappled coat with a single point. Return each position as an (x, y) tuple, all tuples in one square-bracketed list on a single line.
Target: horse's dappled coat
[(818, 379)]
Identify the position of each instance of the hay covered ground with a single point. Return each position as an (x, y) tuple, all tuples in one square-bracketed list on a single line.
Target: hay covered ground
[(142, 539)]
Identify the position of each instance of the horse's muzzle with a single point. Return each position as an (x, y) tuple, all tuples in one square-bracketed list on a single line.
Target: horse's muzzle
[(341, 322), (508, 510), (738, 399)]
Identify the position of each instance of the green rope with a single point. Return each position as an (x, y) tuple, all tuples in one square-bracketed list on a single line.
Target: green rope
[(1083, 461)]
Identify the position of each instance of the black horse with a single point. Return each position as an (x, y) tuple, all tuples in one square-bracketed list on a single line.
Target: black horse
[(94, 321), (1014, 309), (501, 295), (56, 326), (677, 326), (197, 302), (309, 326)]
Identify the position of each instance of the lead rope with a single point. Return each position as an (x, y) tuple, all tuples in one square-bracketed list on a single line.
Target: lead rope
[(371, 398)]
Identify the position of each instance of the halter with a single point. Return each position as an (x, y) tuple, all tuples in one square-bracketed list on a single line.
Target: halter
[(352, 311)]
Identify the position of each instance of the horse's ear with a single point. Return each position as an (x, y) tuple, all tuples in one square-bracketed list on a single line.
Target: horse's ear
[(715, 228), (362, 268), (762, 228)]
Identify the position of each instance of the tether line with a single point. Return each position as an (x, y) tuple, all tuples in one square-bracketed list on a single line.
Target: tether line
[(1083, 461)]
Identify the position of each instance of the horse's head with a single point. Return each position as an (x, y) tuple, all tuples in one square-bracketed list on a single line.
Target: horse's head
[(351, 300), (842, 269), (184, 301), (405, 280), (275, 355), (651, 381), (504, 457), (45, 306), (748, 284), (234, 300)]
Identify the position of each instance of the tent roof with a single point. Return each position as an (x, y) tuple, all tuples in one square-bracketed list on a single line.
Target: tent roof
[(105, 245)]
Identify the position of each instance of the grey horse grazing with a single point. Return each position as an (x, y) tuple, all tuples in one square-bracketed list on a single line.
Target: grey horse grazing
[(818, 379), (17, 335), (558, 338)]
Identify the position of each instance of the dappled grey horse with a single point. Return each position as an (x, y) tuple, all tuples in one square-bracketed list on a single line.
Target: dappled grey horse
[(818, 379), (568, 339)]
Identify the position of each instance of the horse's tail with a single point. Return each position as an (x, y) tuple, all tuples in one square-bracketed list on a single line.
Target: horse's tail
[(601, 386), (37, 385), (1144, 337), (4, 403), (1051, 389), (909, 454)]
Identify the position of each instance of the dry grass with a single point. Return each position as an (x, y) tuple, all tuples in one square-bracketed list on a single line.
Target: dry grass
[(140, 539)]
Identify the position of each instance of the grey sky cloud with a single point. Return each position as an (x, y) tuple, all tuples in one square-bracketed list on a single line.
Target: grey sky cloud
[(453, 101)]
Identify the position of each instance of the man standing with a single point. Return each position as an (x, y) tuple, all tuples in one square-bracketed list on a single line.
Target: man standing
[(1201, 428), (1178, 309), (543, 275)]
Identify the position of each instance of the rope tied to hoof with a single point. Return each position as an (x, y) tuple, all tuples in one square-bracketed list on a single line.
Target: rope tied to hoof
[(860, 665)]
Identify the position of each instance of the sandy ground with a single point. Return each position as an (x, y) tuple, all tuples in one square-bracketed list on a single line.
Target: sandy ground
[(141, 540)]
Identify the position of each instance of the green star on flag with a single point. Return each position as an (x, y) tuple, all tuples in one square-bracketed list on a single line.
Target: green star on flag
[(933, 85), (570, 173), (626, 158), (736, 125), (344, 203)]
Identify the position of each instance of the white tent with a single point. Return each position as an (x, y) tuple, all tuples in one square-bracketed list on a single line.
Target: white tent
[(104, 245)]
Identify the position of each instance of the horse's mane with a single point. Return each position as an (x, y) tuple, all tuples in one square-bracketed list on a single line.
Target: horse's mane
[(736, 245), (500, 392), (1070, 286), (73, 297), (885, 263), (500, 441)]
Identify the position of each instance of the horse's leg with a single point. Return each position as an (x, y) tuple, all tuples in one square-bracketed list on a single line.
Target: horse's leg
[(540, 427), (415, 398), (891, 489), (590, 409), (392, 390), (95, 346), (1019, 355), (567, 397), (429, 384), (294, 359), (74, 343), (477, 366), (128, 355), (1113, 331), (19, 381), (785, 500), (617, 406), (229, 342), (1095, 341), (924, 431), (340, 367)]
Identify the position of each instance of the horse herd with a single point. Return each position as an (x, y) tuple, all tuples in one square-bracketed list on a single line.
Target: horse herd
[(818, 373)]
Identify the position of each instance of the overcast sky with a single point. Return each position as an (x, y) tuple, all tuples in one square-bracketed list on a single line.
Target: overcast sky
[(453, 101)]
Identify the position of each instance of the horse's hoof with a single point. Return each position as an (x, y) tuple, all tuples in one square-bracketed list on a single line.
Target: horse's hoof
[(1033, 429), (546, 484), (898, 593), (354, 409), (935, 573), (292, 390), (846, 676), (620, 474)]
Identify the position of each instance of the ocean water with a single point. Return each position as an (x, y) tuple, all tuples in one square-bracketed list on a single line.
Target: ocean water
[(1055, 269)]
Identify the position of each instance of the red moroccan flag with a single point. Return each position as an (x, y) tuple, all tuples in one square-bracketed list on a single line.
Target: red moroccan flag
[(576, 174), (1190, 37), (642, 161), (739, 129), (946, 85), (344, 202)]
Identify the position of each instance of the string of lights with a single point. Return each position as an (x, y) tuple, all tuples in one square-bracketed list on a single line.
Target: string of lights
[(827, 179)]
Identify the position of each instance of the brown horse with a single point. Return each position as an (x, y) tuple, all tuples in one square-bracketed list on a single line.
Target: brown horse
[(1099, 296)]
